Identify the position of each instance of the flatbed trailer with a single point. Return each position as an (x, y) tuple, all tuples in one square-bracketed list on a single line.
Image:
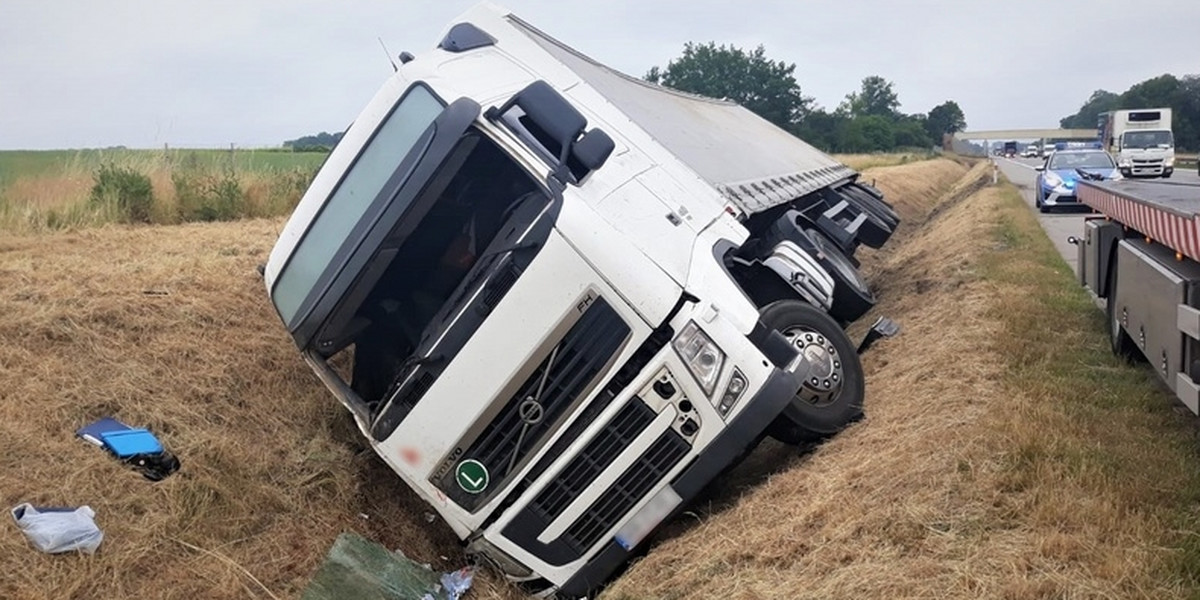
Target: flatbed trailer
[(1142, 256)]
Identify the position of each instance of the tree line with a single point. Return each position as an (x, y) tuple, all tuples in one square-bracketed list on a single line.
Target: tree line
[(322, 142), (868, 120), (1180, 94)]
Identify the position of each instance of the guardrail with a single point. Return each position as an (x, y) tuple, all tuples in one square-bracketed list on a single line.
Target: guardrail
[(1185, 160)]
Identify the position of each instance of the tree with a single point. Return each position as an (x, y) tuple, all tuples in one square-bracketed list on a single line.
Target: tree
[(911, 131), (1187, 117), (821, 128), (1180, 94), (322, 142), (875, 98), (1100, 101), (1157, 91), (945, 118), (766, 87)]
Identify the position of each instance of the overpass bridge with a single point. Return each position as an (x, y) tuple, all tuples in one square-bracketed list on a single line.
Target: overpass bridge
[(1029, 134), (976, 142)]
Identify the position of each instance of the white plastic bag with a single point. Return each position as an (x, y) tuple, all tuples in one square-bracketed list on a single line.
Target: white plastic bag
[(59, 530)]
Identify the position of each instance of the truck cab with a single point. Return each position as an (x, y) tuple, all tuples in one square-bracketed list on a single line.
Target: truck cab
[(1140, 141)]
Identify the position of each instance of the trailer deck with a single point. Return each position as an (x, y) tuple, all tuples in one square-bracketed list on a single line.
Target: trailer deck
[(1166, 212)]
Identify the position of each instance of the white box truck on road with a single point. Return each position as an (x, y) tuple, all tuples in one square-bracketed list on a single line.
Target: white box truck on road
[(559, 301), (1140, 141)]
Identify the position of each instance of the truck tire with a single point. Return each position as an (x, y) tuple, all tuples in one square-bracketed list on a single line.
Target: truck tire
[(852, 297), (1122, 345), (832, 395), (877, 206)]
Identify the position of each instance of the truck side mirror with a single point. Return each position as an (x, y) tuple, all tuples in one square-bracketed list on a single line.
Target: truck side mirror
[(593, 149), (552, 123)]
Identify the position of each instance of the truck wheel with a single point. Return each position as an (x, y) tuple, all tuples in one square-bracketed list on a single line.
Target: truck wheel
[(832, 395), (1122, 345)]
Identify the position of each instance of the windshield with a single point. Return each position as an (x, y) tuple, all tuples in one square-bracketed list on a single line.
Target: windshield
[(378, 161), (1081, 160), (458, 257), (1148, 139)]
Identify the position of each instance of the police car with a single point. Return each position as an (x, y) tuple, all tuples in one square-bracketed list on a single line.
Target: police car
[(1064, 167)]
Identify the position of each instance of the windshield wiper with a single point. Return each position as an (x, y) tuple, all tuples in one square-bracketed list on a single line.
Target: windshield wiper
[(512, 248), (413, 361)]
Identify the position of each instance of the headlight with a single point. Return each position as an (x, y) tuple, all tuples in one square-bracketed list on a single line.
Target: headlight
[(702, 357), (733, 391), (1169, 162), (1051, 179), (1125, 163)]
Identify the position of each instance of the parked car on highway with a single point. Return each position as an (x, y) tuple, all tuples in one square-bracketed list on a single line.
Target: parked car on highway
[(1030, 151), (1063, 168)]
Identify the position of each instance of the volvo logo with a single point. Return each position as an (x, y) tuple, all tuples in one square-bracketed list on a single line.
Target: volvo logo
[(531, 411)]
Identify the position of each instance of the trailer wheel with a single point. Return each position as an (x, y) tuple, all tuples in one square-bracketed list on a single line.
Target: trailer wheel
[(877, 206), (832, 395), (852, 297), (1122, 345)]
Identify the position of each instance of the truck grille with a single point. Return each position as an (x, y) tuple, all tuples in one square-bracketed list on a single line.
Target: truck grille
[(614, 503), (651, 467), (593, 459), (586, 349), (636, 363)]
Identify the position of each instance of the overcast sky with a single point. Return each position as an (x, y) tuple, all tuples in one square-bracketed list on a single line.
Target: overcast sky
[(93, 73)]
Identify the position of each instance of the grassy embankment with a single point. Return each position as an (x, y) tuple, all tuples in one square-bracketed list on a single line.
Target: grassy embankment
[(1005, 454), (52, 190), (862, 162)]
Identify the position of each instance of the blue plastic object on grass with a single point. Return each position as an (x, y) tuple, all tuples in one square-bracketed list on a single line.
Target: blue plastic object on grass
[(135, 447), (130, 442)]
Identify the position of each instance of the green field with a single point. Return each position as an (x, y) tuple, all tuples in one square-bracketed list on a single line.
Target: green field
[(54, 189), (18, 163)]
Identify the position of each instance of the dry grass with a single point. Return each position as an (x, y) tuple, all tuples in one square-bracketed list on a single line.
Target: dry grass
[(970, 477), (1005, 454), (169, 328), (862, 162)]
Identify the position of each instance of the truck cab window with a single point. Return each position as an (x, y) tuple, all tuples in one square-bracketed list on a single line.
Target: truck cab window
[(427, 274)]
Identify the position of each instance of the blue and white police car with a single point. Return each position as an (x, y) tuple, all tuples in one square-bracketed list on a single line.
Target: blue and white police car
[(1063, 168)]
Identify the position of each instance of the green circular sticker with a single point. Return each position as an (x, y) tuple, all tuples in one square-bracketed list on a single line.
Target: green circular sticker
[(471, 476)]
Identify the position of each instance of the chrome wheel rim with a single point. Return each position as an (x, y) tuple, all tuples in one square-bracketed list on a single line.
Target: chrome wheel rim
[(827, 374)]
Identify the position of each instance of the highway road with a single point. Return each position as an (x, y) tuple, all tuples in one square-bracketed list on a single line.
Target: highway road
[(1059, 225)]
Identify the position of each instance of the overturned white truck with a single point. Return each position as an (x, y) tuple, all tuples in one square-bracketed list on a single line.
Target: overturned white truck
[(559, 300)]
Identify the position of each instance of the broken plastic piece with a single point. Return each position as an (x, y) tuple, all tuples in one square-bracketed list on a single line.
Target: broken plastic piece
[(57, 530), (456, 583), (883, 328)]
